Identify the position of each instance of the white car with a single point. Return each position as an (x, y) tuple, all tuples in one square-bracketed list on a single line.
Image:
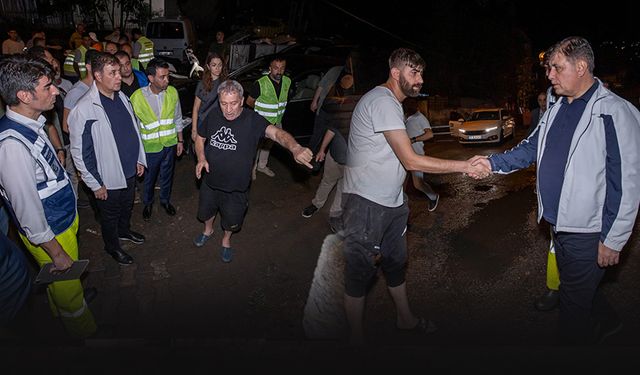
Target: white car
[(491, 125)]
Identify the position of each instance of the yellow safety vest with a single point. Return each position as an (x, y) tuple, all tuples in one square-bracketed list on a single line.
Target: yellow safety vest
[(67, 68), (146, 51), (156, 133), (82, 64), (268, 105)]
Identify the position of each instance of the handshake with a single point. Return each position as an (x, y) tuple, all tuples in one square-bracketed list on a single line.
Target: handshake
[(478, 167)]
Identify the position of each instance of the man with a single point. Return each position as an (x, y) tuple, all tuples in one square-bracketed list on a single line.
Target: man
[(157, 106), (79, 57), (132, 79), (36, 186), (268, 97), (12, 45), (586, 150), (220, 47), (75, 41), (225, 147), (379, 146), (142, 48), (107, 150), (111, 47), (537, 113)]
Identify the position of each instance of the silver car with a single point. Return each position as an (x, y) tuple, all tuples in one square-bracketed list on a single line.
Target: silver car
[(490, 125)]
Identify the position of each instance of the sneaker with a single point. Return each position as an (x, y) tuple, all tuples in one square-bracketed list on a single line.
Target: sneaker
[(227, 254), (433, 203), (309, 211), (267, 171), (201, 239), (134, 237)]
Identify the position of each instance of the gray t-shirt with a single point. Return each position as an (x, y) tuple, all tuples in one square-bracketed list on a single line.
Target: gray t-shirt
[(416, 125), (373, 171)]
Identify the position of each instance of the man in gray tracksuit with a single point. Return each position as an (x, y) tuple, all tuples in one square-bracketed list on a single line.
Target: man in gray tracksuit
[(107, 149), (587, 150)]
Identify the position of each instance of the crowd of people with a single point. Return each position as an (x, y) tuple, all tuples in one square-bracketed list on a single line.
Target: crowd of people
[(122, 120)]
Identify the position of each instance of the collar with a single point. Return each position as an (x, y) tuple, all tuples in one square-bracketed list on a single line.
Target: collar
[(586, 96), (26, 121)]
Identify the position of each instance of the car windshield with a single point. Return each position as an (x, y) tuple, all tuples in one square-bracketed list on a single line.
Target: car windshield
[(165, 30), (485, 115)]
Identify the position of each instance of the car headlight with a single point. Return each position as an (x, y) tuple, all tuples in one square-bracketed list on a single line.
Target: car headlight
[(490, 129), (462, 130)]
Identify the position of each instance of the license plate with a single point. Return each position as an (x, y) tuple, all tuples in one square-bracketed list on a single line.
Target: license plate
[(475, 137), (165, 53)]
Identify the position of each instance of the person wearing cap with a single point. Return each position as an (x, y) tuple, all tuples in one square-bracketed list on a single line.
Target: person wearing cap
[(95, 43)]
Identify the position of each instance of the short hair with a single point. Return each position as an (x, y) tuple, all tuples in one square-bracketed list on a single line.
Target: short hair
[(90, 56), (37, 51), (277, 58), (136, 31), (101, 60), (21, 73), (574, 48), (122, 53), (405, 56), (231, 86), (154, 64)]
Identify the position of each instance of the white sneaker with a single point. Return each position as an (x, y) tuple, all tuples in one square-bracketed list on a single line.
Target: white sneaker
[(267, 171)]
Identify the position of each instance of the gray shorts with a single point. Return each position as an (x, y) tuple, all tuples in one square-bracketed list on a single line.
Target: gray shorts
[(231, 205), (374, 237)]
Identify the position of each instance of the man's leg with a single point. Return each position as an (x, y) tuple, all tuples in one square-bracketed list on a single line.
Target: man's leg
[(126, 207), (154, 161), (330, 176), (66, 298), (109, 218), (166, 173), (354, 309), (580, 276)]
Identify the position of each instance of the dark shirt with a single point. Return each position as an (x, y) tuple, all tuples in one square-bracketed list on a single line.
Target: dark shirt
[(208, 99), (128, 90), (230, 147), (556, 152), (124, 133)]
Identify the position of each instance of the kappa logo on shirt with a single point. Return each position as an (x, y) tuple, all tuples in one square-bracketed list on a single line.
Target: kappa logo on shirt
[(223, 139)]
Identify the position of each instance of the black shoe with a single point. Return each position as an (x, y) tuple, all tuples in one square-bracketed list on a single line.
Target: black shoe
[(135, 237), (309, 211), (90, 294), (168, 207), (121, 257), (433, 203), (605, 329), (146, 212), (548, 301)]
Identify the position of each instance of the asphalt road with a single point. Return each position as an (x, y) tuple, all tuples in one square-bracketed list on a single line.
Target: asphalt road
[(475, 266)]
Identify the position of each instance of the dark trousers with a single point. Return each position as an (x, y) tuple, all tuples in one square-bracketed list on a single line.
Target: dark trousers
[(115, 214), (159, 163), (582, 304)]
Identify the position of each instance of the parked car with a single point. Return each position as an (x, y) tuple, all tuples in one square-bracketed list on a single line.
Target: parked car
[(491, 125), (171, 37)]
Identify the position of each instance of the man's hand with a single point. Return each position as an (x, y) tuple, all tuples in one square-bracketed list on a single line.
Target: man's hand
[(139, 169), (320, 156), (479, 167), (607, 256), (61, 156), (179, 148), (101, 193), (61, 262), (201, 164), (302, 155)]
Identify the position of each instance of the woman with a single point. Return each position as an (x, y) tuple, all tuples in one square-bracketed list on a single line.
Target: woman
[(207, 90)]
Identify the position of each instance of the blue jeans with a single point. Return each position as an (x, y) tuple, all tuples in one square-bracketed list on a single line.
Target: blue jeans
[(159, 163)]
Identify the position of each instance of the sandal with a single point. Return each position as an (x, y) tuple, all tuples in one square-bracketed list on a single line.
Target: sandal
[(227, 254)]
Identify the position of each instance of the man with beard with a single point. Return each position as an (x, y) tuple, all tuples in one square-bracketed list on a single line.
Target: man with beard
[(132, 79), (107, 149), (375, 210)]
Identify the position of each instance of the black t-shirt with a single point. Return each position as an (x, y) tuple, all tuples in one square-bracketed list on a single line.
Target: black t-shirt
[(128, 90), (230, 147)]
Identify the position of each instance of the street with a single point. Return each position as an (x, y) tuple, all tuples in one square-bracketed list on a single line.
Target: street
[(476, 265)]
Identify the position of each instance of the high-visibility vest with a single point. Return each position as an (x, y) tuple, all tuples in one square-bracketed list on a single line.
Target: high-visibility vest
[(56, 194), (135, 64), (156, 133), (67, 68), (82, 63), (268, 105), (146, 51)]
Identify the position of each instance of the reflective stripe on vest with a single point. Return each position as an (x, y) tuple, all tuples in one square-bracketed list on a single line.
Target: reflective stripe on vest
[(156, 133), (268, 105), (68, 69), (146, 50), (81, 64), (56, 194)]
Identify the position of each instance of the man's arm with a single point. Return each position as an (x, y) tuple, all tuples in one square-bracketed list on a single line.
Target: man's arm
[(314, 101), (301, 155), (251, 102), (54, 138), (427, 135), (82, 149), (177, 119), (399, 142), (328, 137), (202, 160)]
